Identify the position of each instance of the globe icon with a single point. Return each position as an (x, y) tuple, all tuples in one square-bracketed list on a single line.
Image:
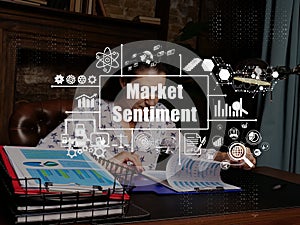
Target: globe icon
[(237, 151)]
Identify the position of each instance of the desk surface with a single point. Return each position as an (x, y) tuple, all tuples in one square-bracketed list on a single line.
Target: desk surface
[(258, 203), (269, 217)]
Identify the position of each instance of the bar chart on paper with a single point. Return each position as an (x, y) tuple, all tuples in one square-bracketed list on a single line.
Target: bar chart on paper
[(86, 177)]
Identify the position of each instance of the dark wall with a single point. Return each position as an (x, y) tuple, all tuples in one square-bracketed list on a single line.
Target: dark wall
[(235, 29)]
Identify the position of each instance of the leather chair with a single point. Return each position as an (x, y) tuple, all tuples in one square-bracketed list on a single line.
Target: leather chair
[(32, 121)]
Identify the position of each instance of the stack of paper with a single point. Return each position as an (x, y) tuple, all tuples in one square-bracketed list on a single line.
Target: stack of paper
[(50, 186), (191, 174)]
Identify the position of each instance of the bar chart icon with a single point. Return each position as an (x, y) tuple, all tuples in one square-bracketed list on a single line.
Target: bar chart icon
[(85, 101), (235, 110)]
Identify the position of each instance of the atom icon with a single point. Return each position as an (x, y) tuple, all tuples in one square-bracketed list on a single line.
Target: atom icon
[(107, 60)]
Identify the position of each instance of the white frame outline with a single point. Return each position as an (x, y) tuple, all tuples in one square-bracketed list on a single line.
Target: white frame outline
[(132, 129)]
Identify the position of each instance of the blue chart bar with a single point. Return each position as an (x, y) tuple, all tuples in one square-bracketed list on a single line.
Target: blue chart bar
[(78, 174), (85, 174), (43, 175), (87, 177)]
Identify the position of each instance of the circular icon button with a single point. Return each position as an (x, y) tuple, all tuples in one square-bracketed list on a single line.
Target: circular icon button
[(265, 146), (257, 152), (237, 151), (217, 141), (225, 164), (253, 137), (234, 133)]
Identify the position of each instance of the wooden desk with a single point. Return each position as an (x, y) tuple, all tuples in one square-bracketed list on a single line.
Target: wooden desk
[(288, 216), (270, 217)]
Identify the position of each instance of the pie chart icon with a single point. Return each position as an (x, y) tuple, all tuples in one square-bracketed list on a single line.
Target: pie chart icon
[(253, 137)]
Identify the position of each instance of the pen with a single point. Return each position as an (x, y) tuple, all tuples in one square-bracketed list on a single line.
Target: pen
[(70, 187), (201, 144), (209, 189)]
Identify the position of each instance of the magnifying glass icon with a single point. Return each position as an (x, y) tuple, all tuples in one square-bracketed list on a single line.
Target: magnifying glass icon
[(238, 151)]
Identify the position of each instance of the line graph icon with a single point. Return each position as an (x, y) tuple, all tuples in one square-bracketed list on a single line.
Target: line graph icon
[(85, 101)]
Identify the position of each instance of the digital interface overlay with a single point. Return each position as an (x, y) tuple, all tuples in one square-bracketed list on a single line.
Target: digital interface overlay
[(192, 112)]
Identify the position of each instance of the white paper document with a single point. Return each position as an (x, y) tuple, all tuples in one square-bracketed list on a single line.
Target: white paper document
[(54, 166), (191, 173)]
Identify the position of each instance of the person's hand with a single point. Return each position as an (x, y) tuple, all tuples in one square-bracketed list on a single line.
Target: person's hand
[(251, 158), (220, 156), (128, 159), (241, 163)]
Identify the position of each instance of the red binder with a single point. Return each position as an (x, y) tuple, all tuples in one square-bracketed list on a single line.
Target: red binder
[(18, 189)]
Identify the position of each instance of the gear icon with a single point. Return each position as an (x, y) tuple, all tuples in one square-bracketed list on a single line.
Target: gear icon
[(81, 79), (99, 153), (81, 150), (71, 79), (59, 79), (72, 153), (85, 148), (92, 79)]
